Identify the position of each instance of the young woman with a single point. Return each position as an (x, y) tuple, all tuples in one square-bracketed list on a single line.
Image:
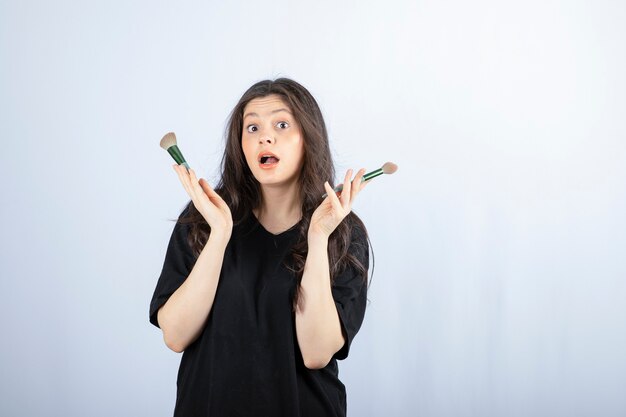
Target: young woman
[(264, 282)]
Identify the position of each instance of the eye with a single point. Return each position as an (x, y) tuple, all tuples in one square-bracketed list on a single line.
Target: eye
[(250, 127), (283, 123)]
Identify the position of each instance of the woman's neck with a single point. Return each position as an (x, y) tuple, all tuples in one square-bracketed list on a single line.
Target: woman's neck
[(280, 208)]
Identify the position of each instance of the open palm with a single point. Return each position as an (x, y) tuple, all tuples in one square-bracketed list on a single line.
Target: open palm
[(209, 203), (334, 209)]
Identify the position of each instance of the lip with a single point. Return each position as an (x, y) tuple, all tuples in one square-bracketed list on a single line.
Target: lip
[(258, 158), (266, 166)]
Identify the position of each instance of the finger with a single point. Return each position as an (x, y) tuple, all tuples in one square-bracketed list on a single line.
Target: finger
[(195, 183), (356, 184), (192, 175), (334, 201), (193, 187), (206, 186), (210, 192), (345, 193), (183, 179)]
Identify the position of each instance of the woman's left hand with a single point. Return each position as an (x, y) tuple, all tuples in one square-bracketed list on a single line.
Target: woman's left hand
[(334, 209)]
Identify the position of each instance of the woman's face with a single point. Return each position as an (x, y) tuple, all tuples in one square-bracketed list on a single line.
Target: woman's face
[(272, 141)]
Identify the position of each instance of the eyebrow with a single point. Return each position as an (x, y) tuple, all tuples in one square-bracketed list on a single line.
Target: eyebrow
[(272, 112)]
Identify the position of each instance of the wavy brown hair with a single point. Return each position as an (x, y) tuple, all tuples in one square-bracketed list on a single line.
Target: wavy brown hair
[(241, 191)]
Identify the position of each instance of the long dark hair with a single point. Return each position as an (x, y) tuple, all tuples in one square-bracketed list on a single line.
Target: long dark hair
[(242, 192)]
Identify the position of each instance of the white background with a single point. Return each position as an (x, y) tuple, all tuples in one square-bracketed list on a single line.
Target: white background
[(500, 273)]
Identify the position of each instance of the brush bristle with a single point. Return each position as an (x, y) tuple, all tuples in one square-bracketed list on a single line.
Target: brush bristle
[(168, 140), (390, 168)]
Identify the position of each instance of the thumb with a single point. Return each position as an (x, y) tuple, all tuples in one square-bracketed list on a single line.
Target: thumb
[(207, 188), (212, 194)]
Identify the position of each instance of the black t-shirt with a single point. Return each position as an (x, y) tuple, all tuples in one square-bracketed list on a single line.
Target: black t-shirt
[(246, 361)]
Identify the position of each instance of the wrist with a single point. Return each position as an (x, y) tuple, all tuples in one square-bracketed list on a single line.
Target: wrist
[(221, 234), (317, 238)]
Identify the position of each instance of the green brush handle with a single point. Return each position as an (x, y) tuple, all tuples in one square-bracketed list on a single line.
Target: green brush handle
[(177, 155), (366, 177), (372, 174)]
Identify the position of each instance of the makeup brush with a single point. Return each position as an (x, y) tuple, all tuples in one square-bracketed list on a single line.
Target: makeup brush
[(169, 144), (387, 168)]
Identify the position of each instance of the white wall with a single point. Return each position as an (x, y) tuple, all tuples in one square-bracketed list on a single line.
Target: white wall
[(499, 284)]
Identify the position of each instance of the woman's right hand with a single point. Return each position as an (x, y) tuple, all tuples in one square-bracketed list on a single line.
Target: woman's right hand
[(212, 207)]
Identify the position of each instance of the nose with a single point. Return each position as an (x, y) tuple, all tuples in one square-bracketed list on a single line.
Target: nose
[(266, 139)]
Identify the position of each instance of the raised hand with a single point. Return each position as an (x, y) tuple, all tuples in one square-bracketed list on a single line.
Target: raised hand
[(212, 207), (333, 208)]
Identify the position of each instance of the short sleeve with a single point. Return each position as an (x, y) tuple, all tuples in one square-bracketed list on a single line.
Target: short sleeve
[(350, 292), (177, 265)]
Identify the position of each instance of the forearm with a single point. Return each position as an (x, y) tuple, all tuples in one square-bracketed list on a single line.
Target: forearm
[(184, 314), (318, 327)]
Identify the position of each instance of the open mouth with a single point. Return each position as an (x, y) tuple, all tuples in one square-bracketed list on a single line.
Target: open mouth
[(268, 160)]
